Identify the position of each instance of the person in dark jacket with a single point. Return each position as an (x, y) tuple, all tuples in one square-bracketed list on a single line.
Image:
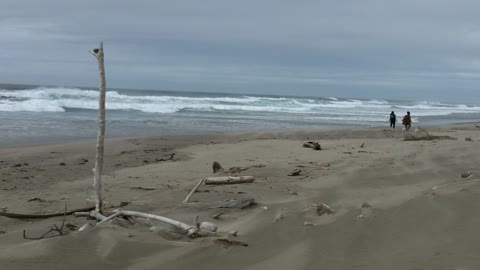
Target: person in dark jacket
[(407, 121), (393, 119)]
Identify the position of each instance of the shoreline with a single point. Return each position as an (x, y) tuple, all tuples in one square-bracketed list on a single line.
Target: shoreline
[(240, 133), (355, 166)]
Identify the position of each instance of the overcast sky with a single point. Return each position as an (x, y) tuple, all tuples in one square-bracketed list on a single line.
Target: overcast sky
[(385, 49)]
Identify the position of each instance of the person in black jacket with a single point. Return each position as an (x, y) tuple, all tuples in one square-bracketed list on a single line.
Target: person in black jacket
[(393, 119)]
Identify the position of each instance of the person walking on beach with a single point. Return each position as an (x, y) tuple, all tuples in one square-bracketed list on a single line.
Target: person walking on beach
[(407, 121), (393, 119)]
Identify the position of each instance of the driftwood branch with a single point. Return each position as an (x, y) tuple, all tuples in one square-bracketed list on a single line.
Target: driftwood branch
[(97, 215), (97, 171), (187, 229), (35, 216), (55, 228), (226, 180), (426, 137), (193, 190)]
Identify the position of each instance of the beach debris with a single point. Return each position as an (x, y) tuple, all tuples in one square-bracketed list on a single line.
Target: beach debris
[(142, 188), (217, 168), (236, 203), (466, 174), (193, 190), (226, 180), (468, 139), (366, 210), (188, 230), (295, 172), (308, 223), (62, 164), (208, 226), (36, 199), (450, 184), (85, 227), (241, 169), (279, 216), (322, 208), (410, 137), (35, 216), (233, 233), (225, 243), (55, 228), (217, 215), (425, 137), (171, 157), (313, 145), (366, 205), (71, 226)]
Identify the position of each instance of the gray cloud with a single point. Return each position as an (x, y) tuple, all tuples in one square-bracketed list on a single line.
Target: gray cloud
[(394, 49)]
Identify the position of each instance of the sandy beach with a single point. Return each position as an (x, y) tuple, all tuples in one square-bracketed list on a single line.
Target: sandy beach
[(418, 212)]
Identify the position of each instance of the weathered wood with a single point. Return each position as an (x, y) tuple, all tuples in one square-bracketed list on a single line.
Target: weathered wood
[(97, 215), (193, 190), (97, 171), (228, 180), (314, 145), (187, 229), (35, 216), (236, 203), (216, 167), (323, 209)]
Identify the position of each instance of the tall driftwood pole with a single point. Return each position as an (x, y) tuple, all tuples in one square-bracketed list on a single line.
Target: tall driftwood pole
[(97, 171)]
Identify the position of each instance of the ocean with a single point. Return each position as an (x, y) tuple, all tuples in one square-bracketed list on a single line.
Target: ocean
[(36, 114)]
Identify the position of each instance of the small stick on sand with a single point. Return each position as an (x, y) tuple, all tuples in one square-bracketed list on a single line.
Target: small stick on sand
[(456, 183), (193, 190)]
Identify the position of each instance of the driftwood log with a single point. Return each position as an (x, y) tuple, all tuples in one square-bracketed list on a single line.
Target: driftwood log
[(228, 180), (35, 216)]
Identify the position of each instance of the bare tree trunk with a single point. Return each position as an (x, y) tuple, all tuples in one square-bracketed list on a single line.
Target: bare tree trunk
[(97, 171)]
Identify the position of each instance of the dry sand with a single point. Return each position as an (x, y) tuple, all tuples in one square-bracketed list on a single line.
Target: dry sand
[(409, 225)]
